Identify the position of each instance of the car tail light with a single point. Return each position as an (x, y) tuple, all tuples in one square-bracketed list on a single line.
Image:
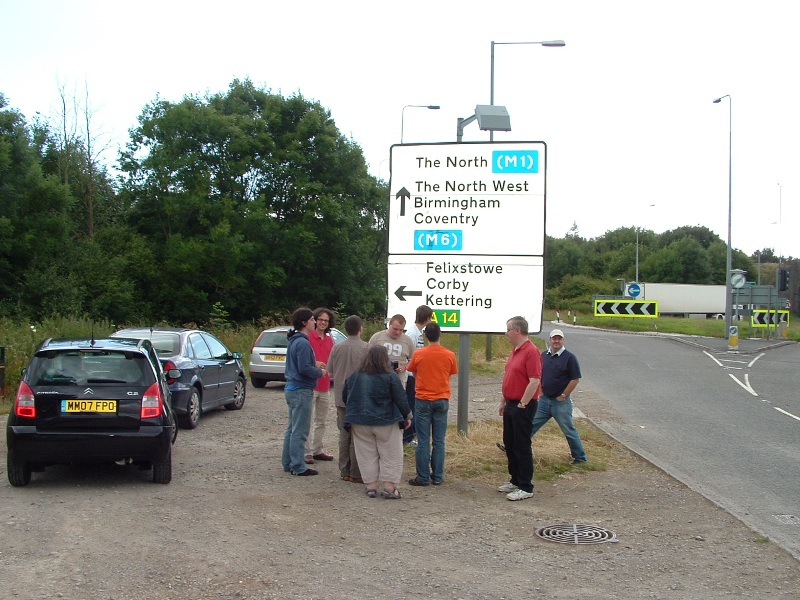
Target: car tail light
[(168, 366), (24, 405), (152, 402)]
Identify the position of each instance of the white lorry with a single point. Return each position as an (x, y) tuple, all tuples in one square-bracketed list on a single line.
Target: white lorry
[(686, 299)]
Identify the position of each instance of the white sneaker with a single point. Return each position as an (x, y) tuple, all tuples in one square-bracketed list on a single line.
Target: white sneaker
[(519, 495), (507, 487)]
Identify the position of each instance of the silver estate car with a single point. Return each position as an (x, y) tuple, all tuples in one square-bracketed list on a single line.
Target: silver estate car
[(268, 356)]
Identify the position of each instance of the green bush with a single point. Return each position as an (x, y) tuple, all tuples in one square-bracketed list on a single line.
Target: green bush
[(575, 292)]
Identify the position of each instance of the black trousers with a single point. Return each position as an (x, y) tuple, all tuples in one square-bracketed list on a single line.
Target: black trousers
[(517, 428)]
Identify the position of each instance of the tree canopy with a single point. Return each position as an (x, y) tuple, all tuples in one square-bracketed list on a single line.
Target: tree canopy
[(246, 203)]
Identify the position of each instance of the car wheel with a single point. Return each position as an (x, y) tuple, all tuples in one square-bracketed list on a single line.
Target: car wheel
[(193, 410), (239, 392), (19, 473), (258, 383), (162, 471)]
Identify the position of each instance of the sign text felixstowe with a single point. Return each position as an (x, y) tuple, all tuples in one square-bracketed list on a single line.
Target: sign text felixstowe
[(466, 233)]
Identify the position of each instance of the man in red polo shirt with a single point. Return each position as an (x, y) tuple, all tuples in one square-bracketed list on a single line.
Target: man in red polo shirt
[(518, 406)]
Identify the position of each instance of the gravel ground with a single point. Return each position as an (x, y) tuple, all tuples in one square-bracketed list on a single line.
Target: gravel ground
[(233, 525)]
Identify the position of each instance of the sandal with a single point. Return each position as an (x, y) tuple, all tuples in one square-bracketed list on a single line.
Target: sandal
[(371, 493), (393, 495)]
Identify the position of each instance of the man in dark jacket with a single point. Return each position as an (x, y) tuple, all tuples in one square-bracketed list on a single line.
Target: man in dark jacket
[(302, 373)]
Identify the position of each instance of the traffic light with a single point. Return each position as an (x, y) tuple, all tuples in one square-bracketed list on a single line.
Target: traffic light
[(783, 280)]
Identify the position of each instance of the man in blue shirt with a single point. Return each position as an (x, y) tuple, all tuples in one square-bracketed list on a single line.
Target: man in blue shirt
[(560, 375)]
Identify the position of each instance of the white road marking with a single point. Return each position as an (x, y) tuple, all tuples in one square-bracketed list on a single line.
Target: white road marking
[(752, 362), (746, 385), (712, 358), (786, 413)]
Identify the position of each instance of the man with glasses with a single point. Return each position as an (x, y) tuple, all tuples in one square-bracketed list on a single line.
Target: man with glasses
[(322, 344), (517, 407)]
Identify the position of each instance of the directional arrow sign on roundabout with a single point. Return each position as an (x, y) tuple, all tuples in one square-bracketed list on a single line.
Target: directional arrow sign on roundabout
[(626, 308), (763, 318)]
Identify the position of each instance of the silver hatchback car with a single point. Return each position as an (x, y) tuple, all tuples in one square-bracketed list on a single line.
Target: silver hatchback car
[(268, 356)]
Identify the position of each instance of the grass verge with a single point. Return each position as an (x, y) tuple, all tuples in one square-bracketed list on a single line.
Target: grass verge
[(476, 456)]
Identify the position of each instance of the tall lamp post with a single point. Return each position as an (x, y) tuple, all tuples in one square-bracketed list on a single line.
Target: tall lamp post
[(403, 115), (728, 265), (546, 43)]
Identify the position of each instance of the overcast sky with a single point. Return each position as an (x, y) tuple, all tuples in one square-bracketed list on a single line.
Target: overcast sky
[(625, 107)]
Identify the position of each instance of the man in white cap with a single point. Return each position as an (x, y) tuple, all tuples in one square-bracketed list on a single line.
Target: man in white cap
[(560, 375)]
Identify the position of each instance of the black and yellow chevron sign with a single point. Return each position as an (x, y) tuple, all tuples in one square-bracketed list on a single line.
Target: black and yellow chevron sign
[(626, 308)]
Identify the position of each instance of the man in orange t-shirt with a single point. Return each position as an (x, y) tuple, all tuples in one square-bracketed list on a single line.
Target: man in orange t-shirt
[(432, 367)]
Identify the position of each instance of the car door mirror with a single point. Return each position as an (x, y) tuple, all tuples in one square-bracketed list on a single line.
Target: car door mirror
[(237, 355)]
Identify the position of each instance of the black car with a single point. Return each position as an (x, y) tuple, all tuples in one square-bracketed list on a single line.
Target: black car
[(201, 372), (91, 401)]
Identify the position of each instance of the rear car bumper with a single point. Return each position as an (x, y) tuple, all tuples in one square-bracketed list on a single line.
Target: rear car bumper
[(151, 444), (268, 372)]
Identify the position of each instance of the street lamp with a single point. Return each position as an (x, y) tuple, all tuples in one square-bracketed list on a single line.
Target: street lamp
[(490, 118), (403, 115), (728, 265), (547, 44)]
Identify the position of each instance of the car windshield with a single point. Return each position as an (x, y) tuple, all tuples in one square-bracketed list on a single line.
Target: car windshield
[(79, 368), (272, 339)]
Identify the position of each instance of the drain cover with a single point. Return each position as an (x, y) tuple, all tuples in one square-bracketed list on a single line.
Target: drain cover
[(576, 534)]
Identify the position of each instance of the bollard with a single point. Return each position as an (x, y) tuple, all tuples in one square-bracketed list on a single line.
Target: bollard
[(2, 367), (733, 338)]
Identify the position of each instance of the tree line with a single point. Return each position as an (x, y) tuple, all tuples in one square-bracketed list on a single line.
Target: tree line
[(244, 203), (240, 204)]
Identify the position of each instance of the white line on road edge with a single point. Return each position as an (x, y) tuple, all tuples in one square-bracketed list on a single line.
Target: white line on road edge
[(752, 362), (746, 387), (714, 359), (786, 413)]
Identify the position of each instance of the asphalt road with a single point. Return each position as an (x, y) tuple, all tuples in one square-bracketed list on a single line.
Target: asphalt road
[(727, 425)]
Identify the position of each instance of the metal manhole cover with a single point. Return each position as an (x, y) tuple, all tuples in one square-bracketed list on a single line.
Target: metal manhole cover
[(576, 534)]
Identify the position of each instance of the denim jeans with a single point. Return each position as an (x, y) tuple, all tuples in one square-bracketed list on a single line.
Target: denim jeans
[(408, 434), (294, 441), (431, 416), (561, 411)]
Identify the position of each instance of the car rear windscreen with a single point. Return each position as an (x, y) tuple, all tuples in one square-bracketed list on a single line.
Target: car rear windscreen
[(52, 368), (273, 339)]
